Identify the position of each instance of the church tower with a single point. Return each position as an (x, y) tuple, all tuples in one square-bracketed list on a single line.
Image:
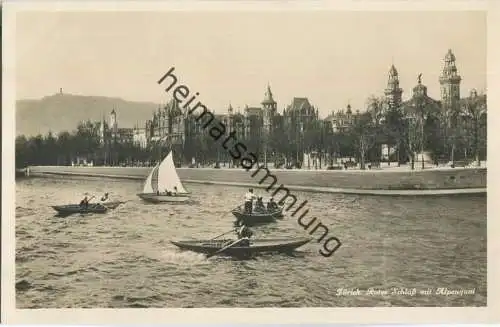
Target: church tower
[(230, 118), (113, 124), (450, 82), (102, 130), (393, 92), (268, 109)]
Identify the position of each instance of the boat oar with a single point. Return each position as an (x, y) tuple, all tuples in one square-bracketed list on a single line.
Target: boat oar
[(225, 213), (225, 248), (88, 201), (231, 231)]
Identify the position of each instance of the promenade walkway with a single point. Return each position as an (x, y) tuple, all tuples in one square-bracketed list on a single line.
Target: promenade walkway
[(318, 189)]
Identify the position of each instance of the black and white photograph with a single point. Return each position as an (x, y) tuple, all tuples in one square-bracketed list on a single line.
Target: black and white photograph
[(173, 159)]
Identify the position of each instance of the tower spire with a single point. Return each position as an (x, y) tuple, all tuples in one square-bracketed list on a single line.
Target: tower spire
[(393, 92), (450, 81)]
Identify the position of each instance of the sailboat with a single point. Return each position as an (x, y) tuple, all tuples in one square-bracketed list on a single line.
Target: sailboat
[(163, 184)]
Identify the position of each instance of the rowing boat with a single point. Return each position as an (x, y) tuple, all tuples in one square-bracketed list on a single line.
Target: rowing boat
[(255, 218), (256, 246), (91, 208), (161, 183)]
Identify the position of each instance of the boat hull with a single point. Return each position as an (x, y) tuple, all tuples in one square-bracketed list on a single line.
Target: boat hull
[(256, 246), (278, 213), (91, 208), (257, 218), (163, 198)]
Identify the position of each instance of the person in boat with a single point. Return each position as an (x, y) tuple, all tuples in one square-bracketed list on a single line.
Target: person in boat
[(105, 197), (85, 202), (244, 234), (259, 206), (168, 193), (249, 197), (271, 205), (175, 190)]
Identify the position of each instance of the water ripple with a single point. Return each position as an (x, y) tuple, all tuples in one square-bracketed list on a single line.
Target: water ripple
[(124, 259)]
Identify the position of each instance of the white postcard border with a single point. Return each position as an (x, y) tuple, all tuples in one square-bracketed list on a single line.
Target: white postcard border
[(11, 315)]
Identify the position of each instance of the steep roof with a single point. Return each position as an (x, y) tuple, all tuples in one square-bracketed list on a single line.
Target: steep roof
[(253, 111), (299, 104), (268, 97)]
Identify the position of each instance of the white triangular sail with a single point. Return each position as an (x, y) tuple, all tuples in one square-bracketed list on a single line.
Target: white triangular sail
[(148, 185), (167, 176)]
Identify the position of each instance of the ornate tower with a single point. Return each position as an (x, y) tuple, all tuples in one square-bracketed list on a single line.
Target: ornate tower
[(393, 92), (348, 116), (113, 123), (230, 118), (268, 109), (450, 82), (102, 131)]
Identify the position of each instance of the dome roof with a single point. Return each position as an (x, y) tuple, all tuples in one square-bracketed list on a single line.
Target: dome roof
[(420, 89)]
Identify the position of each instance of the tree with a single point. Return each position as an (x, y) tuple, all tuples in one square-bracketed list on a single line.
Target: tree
[(51, 149), (364, 135), (394, 130), (377, 108), (22, 152), (474, 111)]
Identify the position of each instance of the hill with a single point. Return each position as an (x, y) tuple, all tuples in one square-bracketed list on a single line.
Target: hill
[(62, 112)]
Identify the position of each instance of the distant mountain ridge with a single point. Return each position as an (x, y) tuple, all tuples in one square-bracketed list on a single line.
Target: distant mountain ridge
[(62, 112)]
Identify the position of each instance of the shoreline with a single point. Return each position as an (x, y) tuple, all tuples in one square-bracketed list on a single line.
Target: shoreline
[(471, 180)]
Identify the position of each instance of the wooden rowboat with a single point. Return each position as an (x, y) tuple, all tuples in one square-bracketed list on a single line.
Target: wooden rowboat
[(69, 209), (256, 246), (256, 218)]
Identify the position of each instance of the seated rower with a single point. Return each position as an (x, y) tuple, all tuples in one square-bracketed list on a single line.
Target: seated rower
[(105, 197), (84, 203), (271, 205), (259, 206), (244, 233)]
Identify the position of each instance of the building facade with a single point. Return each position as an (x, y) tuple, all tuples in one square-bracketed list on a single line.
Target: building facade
[(110, 132), (275, 133)]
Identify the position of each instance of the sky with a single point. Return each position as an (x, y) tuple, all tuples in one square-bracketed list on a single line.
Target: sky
[(331, 57)]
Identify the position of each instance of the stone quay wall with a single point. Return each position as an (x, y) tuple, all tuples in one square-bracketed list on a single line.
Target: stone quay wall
[(429, 179)]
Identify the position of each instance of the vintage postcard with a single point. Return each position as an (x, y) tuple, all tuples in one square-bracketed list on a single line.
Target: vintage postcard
[(249, 163)]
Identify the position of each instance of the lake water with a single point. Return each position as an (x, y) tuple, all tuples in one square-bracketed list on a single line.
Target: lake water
[(124, 258)]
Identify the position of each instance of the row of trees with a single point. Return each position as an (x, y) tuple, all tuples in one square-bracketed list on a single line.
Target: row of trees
[(448, 135)]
